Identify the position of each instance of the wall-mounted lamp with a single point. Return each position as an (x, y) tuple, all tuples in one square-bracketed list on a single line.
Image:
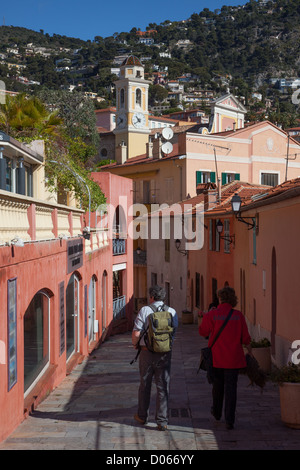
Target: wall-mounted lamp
[(17, 241), (230, 239), (86, 233), (177, 244), (236, 203)]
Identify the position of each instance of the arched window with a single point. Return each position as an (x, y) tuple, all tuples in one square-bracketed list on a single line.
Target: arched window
[(122, 98), (36, 339), (119, 222), (92, 308), (138, 97), (72, 315), (273, 299)]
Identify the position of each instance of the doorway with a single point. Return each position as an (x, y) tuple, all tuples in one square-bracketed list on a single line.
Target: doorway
[(104, 300), (273, 300), (72, 315), (92, 308)]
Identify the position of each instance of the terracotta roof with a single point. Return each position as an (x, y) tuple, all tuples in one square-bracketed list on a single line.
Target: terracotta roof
[(132, 60), (144, 159), (255, 195), (245, 190), (286, 190), (103, 130), (112, 109)]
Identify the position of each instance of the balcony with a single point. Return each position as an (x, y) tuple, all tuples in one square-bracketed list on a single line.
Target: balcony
[(119, 246), (119, 241), (35, 220)]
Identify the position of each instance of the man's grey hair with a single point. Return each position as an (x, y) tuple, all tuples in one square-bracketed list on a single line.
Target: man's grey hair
[(157, 292)]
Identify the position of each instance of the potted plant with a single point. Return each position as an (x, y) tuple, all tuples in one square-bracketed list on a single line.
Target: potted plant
[(187, 317), (288, 379), (261, 350)]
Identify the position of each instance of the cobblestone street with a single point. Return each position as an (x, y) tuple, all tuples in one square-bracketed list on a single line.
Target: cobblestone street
[(93, 408)]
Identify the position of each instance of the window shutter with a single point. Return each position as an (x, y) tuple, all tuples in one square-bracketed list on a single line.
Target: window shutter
[(198, 177), (223, 179), (237, 177), (212, 177)]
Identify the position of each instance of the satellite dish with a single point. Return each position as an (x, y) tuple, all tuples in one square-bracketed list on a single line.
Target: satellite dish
[(167, 148), (167, 133)]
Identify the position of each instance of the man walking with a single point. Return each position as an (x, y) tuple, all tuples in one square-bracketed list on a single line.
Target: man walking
[(157, 364)]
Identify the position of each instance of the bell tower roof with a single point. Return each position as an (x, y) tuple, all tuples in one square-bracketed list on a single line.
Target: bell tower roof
[(132, 68), (132, 61)]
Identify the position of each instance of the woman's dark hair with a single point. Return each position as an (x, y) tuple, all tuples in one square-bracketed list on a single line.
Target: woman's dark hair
[(227, 295), (157, 292)]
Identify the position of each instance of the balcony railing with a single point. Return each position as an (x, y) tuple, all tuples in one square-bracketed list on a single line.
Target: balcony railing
[(119, 307), (119, 246), (34, 220)]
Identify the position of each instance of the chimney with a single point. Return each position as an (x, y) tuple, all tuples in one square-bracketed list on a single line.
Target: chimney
[(157, 147), (149, 146), (121, 153), (210, 199), (234, 126)]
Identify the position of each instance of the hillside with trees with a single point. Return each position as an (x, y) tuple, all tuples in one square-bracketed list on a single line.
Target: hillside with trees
[(249, 44)]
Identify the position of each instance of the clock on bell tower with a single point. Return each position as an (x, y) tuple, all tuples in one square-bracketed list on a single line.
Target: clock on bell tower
[(132, 124)]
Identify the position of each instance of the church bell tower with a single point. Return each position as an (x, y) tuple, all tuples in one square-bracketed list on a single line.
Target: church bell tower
[(132, 117)]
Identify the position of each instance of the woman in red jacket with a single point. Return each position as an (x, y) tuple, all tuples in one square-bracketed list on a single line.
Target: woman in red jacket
[(228, 354)]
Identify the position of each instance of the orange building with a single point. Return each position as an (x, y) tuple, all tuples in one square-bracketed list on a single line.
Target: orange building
[(259, 260)]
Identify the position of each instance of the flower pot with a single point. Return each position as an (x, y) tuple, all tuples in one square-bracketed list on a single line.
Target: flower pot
[(263, 357), (187, 317), (290, 404)]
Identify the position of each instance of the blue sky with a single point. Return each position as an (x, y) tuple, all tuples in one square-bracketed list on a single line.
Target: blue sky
[(90, 18)]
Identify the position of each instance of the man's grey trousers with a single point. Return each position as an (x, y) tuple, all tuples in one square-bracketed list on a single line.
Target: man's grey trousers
[(157, 365)]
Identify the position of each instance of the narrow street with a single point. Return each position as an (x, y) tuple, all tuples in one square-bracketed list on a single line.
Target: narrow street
[(93, 408)]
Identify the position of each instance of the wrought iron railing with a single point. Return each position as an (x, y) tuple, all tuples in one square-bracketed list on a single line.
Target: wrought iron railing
[(119, 246), (119, 305)]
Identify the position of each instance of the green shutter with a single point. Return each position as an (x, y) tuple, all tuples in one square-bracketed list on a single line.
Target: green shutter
[(237, 176), (223, 179), (212, 177), (198, 177)]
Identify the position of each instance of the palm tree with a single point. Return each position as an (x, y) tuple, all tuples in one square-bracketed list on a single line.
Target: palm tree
[(22, 116)]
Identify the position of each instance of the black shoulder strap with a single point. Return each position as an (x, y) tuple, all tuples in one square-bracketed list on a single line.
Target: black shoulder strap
[(222, 327), (155, 309)]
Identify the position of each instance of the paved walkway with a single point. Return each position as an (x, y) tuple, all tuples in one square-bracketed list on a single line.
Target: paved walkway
[(93, 408)]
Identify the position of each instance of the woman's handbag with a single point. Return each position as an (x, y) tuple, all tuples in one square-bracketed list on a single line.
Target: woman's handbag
[(206, 358)]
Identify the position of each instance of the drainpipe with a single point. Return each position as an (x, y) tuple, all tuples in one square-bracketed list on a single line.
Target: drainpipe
[(2, 170)]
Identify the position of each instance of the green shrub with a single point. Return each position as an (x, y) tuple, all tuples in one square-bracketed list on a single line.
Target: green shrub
[(262, 343), (289, 373)]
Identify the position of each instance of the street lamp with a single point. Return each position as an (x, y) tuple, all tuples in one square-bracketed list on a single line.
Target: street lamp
[(86, 230), (236, 203), (177, 244), (230, 239)]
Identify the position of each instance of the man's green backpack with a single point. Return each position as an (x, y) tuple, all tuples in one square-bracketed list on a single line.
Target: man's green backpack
[(160, 329)]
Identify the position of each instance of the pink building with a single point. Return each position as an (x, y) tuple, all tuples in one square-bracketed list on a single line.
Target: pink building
[(62, 294)]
